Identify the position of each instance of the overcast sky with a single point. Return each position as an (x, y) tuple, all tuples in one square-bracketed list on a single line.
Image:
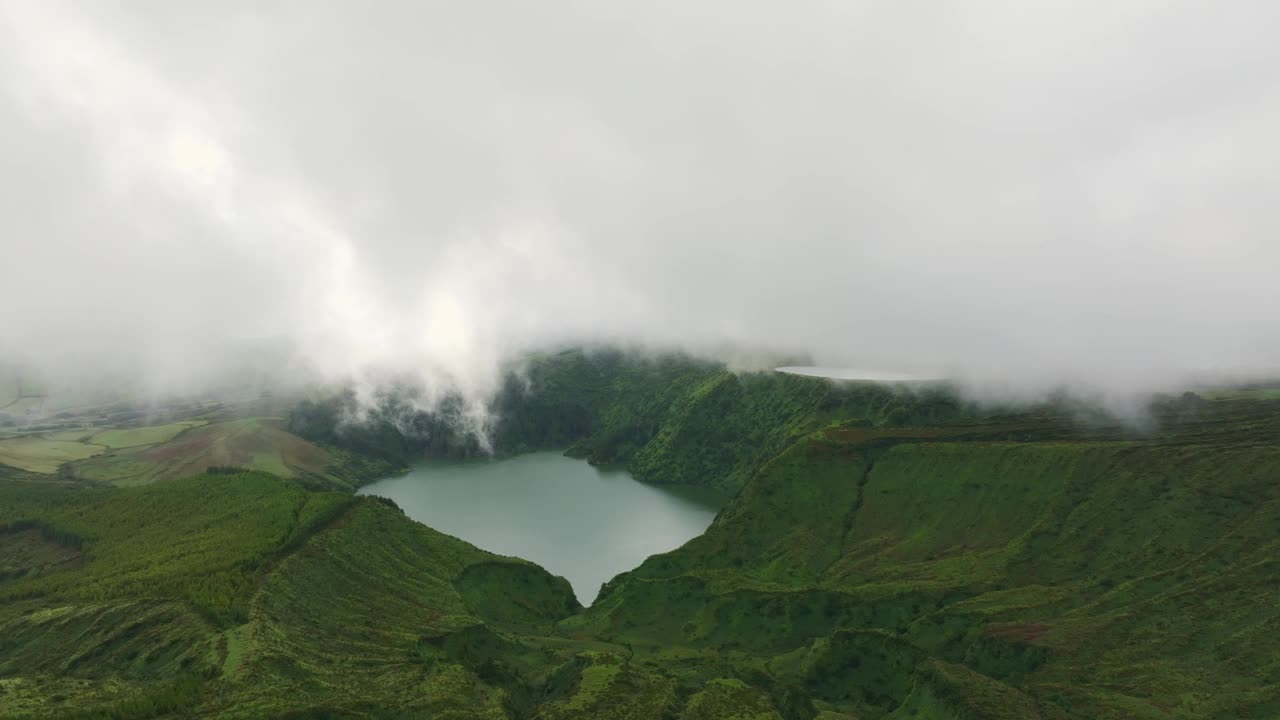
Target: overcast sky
[(983, 187)]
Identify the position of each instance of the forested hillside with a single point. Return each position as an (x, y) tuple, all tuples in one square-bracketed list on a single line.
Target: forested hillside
[(667, 418)]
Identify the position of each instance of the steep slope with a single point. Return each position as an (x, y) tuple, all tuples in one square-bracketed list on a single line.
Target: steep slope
[(138, 456), (242, 595), (668, 419), (675, 420), (941, 572)]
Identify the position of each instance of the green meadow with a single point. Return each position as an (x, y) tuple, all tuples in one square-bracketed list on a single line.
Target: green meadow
[(151, 435), (41, 455)]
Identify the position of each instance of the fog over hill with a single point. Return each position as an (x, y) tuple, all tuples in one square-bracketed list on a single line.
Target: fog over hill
[(1013, 193)]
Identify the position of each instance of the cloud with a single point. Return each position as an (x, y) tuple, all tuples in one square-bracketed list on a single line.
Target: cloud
[(1002, 191)]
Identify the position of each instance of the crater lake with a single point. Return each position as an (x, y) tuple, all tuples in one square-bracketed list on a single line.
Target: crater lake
[(576, 520)]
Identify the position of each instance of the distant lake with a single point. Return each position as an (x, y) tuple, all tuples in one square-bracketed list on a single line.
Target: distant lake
[(576, 520)]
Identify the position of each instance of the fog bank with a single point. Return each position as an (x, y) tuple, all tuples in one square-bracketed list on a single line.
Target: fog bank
[(1014, 194)]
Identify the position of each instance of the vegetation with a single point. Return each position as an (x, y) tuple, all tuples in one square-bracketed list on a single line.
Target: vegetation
[(142, 454), (255, 443), (888, 553), (147, 435), (247, 596), (39, 455), (945, 572), (668, 419)]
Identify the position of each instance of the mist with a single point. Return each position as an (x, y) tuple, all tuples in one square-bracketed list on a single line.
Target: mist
[(1018, 195)]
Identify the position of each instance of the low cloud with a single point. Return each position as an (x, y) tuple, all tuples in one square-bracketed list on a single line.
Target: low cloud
[(1017, 195)]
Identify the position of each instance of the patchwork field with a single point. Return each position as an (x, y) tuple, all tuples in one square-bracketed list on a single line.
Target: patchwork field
[(84, 449), (255, 443), (82, 434), (39, 455), (133, 437)]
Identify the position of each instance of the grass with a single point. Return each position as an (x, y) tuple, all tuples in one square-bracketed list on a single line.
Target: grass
[(80, 434), (39, 455), (1271, 393), (189, 555), (298, 599), (151, 435), (1055, 578), (254, 443), (142, 455)]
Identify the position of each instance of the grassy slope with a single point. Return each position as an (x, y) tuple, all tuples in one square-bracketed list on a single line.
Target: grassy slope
[(245, 596), (136, 455), (674, 420), (944, 577), (129, 444), (149, 435), (253, 443), (40, 455)]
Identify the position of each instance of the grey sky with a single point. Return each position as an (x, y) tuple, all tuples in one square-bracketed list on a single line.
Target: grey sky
[(989, 188)]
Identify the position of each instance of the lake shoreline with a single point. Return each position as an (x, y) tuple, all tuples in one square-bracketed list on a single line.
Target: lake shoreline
[(580, 521)]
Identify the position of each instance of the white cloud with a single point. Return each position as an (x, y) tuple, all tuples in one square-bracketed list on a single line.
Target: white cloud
[(998, 190)]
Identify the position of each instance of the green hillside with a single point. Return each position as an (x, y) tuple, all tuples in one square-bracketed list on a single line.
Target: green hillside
[(667, 418), (242, 595), (143, 455), (887, 553), (896, 576), (91, 448)]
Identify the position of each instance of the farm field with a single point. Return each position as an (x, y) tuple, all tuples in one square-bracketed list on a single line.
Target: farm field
[(39, 455), (87, 448), (255, 443), (152, 435), (81, 434)]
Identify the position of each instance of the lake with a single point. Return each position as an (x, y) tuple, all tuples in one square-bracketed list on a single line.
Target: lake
[(572, 518)]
